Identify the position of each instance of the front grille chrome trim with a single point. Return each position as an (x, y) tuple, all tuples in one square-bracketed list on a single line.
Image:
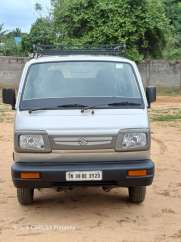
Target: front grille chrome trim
[(77, 144), (82, 142), (70, 139)]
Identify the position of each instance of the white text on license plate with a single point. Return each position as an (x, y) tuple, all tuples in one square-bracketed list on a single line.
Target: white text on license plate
[(84, 176)]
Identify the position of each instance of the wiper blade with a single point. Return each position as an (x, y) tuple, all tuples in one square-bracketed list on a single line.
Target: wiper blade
[(74, 105), (126, 103)]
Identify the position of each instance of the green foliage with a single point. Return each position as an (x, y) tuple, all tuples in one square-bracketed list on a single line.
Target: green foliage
[(15, 33), (11, 49), (149, 28), (2, 32), (38, 7), (41, 33), (172, 53), (8, 45), (140, 24), (173, 12)]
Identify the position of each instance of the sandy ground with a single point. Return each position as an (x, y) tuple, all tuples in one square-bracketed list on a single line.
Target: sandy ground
[(89, 214)]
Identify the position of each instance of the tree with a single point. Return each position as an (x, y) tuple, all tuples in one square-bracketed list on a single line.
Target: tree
[(2, 31), (173, 11), (17, 32), (140, 24), (38, 7), (14, 33), (41, 33)]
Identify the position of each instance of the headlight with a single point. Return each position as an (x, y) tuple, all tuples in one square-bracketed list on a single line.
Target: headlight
[(31, 142), (28, 142), (132, 140)]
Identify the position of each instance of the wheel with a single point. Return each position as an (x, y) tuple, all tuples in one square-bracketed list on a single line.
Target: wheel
[(25, 195), (137, 194)]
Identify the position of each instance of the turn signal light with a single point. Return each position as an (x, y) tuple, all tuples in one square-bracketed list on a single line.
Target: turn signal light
[(29, 175), (137, 173)]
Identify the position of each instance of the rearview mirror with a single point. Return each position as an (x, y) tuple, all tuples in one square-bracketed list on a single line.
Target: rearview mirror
[(9, 97), (151, 95)]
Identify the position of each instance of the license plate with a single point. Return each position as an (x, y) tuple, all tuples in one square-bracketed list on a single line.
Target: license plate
[(84, 176)]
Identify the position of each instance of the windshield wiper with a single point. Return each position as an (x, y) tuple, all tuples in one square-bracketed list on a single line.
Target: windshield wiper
[(86, 107), (74, 105), (125, 103)]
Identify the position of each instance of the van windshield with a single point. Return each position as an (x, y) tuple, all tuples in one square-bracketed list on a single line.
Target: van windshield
[(80, 79)]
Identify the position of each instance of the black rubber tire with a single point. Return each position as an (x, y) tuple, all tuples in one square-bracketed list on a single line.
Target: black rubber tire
[(25, 195), (137, 194)]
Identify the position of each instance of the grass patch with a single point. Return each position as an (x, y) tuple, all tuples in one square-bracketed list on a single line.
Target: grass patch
[(168, 117), (161, 91), (165, 114)]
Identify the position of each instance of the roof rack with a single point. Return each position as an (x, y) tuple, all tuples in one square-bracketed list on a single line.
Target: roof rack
[(50, 50)]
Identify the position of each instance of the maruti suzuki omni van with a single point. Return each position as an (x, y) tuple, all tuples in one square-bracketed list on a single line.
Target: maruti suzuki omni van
[(81, 120)]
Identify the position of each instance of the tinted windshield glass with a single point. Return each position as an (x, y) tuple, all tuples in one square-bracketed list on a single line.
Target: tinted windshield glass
[(80, 79)]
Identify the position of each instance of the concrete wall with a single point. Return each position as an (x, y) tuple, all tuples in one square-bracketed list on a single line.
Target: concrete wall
[(160, 73), (10, 70)]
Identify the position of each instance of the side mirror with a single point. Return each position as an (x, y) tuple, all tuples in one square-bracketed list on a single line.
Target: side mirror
[(151, 95), (9, 97)]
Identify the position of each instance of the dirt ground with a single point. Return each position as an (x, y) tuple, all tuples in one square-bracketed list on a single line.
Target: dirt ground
[(89, 214)]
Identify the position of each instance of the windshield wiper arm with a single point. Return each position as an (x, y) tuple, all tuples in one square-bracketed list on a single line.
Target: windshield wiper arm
[(43, 108), (94, 106)]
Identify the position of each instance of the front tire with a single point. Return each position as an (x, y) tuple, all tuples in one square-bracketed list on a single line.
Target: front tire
[(25, 195), (137, 194)]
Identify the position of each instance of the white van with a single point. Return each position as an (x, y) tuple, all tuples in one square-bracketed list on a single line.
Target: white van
[(81, 120)]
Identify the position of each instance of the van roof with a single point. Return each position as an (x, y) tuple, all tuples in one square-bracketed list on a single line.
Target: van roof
[(79, 58)]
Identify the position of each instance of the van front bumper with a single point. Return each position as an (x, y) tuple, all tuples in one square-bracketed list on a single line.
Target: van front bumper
[(53, 174)]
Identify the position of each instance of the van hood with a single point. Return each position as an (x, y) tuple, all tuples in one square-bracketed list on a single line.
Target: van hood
[(70, 122)]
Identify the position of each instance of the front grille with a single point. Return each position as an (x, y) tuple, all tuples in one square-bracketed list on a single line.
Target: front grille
[(82, 142)]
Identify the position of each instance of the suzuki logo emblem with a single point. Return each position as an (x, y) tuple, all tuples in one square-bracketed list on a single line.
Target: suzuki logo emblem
[(83, 141)]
